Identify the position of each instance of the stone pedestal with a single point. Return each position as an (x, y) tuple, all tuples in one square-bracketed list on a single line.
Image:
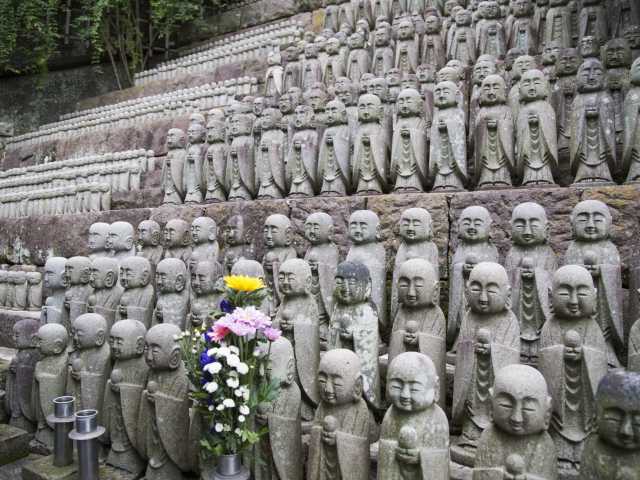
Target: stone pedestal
[(14, 444), (43, 469)]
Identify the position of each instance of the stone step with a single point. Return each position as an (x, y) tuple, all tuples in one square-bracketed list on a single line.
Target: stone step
[(14, 444)]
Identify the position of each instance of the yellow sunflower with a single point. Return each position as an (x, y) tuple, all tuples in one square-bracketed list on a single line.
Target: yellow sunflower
[(243, 283)]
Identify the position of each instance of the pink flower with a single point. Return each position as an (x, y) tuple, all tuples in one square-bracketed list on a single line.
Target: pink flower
[(272, 334), (219, 331)]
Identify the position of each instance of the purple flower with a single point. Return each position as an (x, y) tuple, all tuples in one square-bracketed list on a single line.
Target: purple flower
[(272, 334), (205, 359), (226, 306)]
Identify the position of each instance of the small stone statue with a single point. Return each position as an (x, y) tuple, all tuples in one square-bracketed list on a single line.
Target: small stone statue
[(297, 317), (520, 411), (149, 241), (323, 258), (592, 20), (370, 148), (270, 156), (407, 47), (521, 31), (278, 453), (573, 360), (631, 155), (20, 290), (336, 64), (334, 158), (120, 243), (163, 421), (34, 295), (236, 243), (173, 296), (240, 175), (341, 431), (138, 299), (530, 263), (215, 161), (278, 237), (359, 60), (274, 75), (614, 451), (409, 145), (414, 437), (433, 48), (463, 43), (177, 240), (622, 17), (383, 54), (193, 165), (311, 70), (97, 239), (592, 128), (90, 362), (564, 94), (493, 136), (537, 145), (474, 228), (616, 56), (53, 309), (549, 60), (489, 340), (50, 376), (123, 393), (521, 65), (592, 248), (448, 150), (292, 68), (490, 34), (204, 237), (632, 35), (557, 26), (107, 291), (302, 157), (485, 65), (588, 47), (173, 167), (77, 274), (206, 292), (18, 401)]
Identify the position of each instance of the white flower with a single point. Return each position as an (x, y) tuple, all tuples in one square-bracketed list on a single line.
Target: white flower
[(220, 407), (193, 350), (257, 352), (241, 419), (212, 351), (232, 382), (242, 368), (224, 352), (211, 408), (238, 432), (233, 360), (218, 427), (244, 410), (228, 403), (235, 350), (237, 392), (213, 368), (211, 387)]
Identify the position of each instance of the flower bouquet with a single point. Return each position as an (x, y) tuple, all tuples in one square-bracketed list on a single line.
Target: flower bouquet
[(227, 365)]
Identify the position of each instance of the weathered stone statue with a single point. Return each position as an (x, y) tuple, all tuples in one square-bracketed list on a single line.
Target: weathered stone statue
[(204, 237), (240, 175), (149, 241), (383, 54), (592, 20), (292, 68), (557, 26), (521, 65), (564, 94), (521, 31), (302, 157), (474, 229), (409, 145), (20, 289), (138, 299), (172, 302), (485, 65), (622, 15), (631, 152), (120, 240), (193, 165), (591, 248), (97, 239), (336, 63), (270, 156), (489, 340), (19, 404), (323, 257), (341, 431), (50, 376), (530, 264), (237, 243), (173, 167), (592, 128), (177, 240), (297, 317), (53, 309), (206, 292), (274, 75), (463, 43), (632, 35), (493, 136), (370, 148), (311, 70), (359, 60), (123, 393), (334, 170), (90, 362), (414, 437), (279, 453), (616, 57), (107, 291), (34, 295), (433, 47), (490, 34), (77, 274), (537, 147), (215, 162), (407, 47), (573, 360), (163, 421), (278, 237), (447, 151), (521, 411), (549, 59)]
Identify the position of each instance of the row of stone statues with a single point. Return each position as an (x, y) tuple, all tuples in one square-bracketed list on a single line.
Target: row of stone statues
[(20, 290)]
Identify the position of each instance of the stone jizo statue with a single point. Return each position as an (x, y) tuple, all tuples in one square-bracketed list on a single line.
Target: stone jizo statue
[(370, 148), (215, 161), (204, 238), (631, 152), (334, 158), (77, 273), (138, 299), (237, 243), (149, 241), (278, 238), (206, 292), (302, 157), (34, 295), (97, 239), (177, 240), (53, 309), (107, 290), (120, 240), (194, 162), (173, 167), (270, 155), (172, 302)]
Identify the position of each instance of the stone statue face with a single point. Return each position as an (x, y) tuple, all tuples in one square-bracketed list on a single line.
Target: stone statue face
[(417, 284), (292, 53), (591, 221), (568, 62), (406, 31), (204, 230), (89, 331), (379, 88), (529, 225), (449, 5), (175, 233), (369, 108), (126, 339), (162, 352), (98, 236), (445, 95), (120, 237), (171, 275), (523, 64), (175, 139), (425, 74), (522, 8), (488, 290), (33, 278), (277, 231), (258, 106), (533, 86), (270, 118), (344, 90), (573, 295), (618, 410), (363, 227), (316, 99), (149, 233), (274, 58), (352, 283), (382, 37), (617, 53), (590, 76), (415, 225), (103, 273), (588, 47), (632, 35), (303, 116), (285, 103), (135, 272), (412, 382), (339, 377), (204, 277), (54, 273), (409, 103), (51, 339), (77, 271), (318, 228), (520, 401), (335, 113), (493, 91), (634, 74), (196, 133), (474, 224), (482, 69), (24, 332), (392, 77), (432, 25), (332, 47), (356, 40), (233, 231), (294, 277), (463, 18)]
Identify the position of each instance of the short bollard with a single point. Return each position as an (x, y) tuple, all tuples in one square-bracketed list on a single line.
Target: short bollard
[(62, 419), (86, 434)]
